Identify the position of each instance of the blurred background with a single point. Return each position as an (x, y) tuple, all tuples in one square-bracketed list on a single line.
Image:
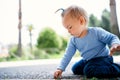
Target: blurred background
[(30, 29)]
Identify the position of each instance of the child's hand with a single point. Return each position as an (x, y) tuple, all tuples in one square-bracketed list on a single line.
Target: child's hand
[(58, 74), (115, 47)]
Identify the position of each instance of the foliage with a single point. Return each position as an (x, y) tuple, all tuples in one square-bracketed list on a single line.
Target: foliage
[(13, 56), (93, 21), (104, 22), (13, 52), (48, 39), (64, 42), (30, 28), (49, 45), (40, 54)]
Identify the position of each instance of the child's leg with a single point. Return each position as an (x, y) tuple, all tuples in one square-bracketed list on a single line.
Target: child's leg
[(78, 67), (102, 68)]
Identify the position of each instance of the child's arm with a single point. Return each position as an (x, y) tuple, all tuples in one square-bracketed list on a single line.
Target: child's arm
[(110, 39), (114, 48)]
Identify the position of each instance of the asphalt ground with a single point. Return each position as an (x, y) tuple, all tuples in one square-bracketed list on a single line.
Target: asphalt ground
[(34, 69), (39, 69)]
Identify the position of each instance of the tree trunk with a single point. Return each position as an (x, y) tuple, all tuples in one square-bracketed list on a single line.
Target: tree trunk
[(113, 21), (19, 44), (19, 28), (31, 42)]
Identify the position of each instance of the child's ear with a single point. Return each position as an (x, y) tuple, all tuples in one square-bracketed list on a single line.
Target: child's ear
[(82, 20)]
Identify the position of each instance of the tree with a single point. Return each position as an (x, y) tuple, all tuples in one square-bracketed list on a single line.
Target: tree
[(49, 39), (93, 21), (19, 51), (105, 21), (30, 28), (113, 20)]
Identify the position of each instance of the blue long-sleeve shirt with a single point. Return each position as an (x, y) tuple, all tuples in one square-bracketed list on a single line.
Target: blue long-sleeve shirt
[(94, 44)]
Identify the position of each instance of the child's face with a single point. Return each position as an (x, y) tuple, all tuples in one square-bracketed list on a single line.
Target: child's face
[(74, 26)]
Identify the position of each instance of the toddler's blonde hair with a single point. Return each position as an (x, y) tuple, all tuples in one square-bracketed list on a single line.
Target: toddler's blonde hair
[(75, 12)]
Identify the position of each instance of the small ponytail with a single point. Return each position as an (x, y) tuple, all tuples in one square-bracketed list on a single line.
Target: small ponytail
[(63, 10)]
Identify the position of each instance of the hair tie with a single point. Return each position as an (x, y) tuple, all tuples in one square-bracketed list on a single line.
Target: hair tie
[(60, 9)]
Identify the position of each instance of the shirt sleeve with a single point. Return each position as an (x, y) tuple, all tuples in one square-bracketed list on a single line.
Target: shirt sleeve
[(70, 51), (107, 37)]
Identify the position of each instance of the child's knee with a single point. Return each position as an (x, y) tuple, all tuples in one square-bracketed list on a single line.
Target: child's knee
[(77, 71), (89, 72), (74, 70), (78, 67)]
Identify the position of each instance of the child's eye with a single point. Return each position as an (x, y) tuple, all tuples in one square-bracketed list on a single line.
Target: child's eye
[(70, 27)]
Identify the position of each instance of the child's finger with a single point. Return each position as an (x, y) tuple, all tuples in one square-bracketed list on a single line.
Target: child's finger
[(56, 75), (112, 50), (118, 48)]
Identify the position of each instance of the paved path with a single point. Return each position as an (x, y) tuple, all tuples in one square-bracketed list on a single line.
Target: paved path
[(33, 69), (37, 69)]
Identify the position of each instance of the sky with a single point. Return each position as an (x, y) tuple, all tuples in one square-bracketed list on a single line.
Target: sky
[(41, 14)]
